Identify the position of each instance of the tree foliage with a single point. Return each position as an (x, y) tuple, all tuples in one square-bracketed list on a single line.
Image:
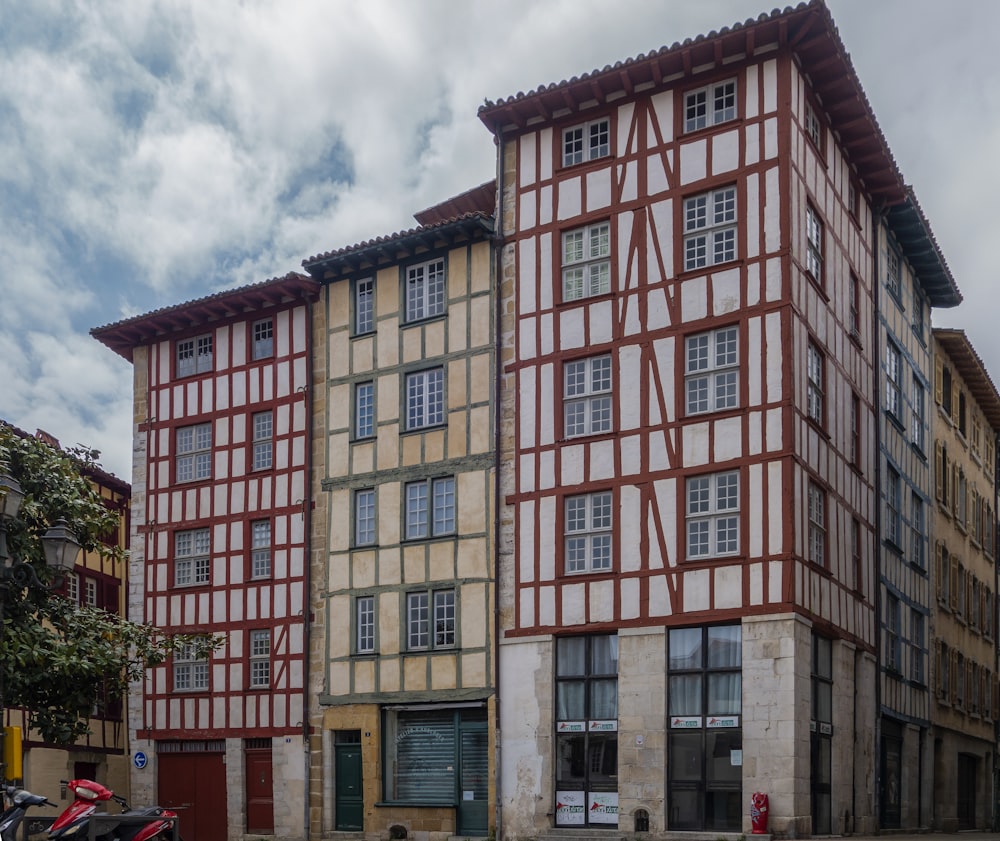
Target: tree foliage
[(60, 661)]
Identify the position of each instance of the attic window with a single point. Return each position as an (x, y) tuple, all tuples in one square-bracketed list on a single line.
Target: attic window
[(587, 142), (710, 105)]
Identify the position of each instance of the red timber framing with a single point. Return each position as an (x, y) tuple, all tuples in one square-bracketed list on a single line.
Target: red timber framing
[(222, 454), (783, 307)]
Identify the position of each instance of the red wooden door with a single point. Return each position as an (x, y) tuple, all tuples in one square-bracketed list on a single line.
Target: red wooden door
[(260, 791), (194, 786)]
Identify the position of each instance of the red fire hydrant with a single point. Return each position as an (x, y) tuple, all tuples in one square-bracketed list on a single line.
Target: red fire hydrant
[(758, 813)]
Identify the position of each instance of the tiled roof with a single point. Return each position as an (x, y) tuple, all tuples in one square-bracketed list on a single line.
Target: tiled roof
[(972, 370)]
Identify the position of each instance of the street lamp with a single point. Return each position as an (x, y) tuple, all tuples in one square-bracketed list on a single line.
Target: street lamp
[(61, 548)]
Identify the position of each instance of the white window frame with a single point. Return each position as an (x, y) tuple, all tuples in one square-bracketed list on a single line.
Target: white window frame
[(425, 399), (815, 364), (814, 129), (893, 381), (263, 339), (586, 142), (814, 244), (425, 290), (364, 624), (364, 306), (260, 549), (193, 456), (710, 105), (712, 514), (894, 273), (919, 412), (194, 356), (711, 370), (586, 261), (90, 592), (73, 587), (588, 532), (364, 517), (263, 440), (192, 557), (710, 228), (431, 508), (816, 512), (364, 410), (190, 672), (259, 646), (854, 311), (425, 607), (587, 396)]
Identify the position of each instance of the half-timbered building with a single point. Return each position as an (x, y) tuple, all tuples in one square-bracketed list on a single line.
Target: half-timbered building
[(911, 278), (402, 655), (688, 499), (220, 510), (962, 640)]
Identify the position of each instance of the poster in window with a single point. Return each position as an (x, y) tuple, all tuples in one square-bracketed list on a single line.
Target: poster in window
[(570, 808), (602, 807)]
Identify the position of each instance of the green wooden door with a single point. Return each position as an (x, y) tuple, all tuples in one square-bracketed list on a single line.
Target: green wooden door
[(349, 801), (473, 779)]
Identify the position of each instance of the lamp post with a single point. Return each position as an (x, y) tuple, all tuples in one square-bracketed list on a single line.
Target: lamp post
[(61, 549)]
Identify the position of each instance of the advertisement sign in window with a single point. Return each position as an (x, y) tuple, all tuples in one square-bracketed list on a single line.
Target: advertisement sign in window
[(570, 809), (602, 807)]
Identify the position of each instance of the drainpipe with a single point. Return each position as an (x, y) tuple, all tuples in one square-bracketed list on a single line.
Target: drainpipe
[(877, 221), (498, 239), (307, 562)]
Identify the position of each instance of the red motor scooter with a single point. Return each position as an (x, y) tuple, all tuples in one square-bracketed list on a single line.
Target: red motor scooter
[(74, 824)]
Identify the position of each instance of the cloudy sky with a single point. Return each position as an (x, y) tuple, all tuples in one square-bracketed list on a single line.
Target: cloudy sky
[(156, 151)]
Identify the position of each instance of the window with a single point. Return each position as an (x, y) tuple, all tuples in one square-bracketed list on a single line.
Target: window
[(364, 410), (364, 517), (817, 524), (710, 105), (710, 228), (364, 623), (430, 508), (946, 390), (943, 575), (961, 501), (918, 314), (854, 307), (194, 453), (713, 515), (194, 356), (263, 446), (893, 527), (418, 620), (586, 142), (421, 749), (916, 530), (917, 632), (856, 557), (425, 290), (711, 370), (893, 274), (814, 386), (893, 643), (90, 592), (263, 339), (586, 264), (919, 420), (190, 669), (944, 674), (855, 444), (425, 398), (814, 244), (961, 413), (73, 587), (191, 557), (587, 396), (588, 532), (704, 706), (892, 380), (260, 549), (364, 306), (260, 658), (813, 128)]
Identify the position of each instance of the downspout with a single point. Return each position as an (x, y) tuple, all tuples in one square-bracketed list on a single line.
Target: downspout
[(877, 221), (307, 563), (497, 432)]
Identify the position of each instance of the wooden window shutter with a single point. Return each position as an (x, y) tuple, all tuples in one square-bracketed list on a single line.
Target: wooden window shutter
[(938, 376), (938, 468), (953, 581)]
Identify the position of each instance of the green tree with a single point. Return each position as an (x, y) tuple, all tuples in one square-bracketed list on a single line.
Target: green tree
[(60, 661)]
